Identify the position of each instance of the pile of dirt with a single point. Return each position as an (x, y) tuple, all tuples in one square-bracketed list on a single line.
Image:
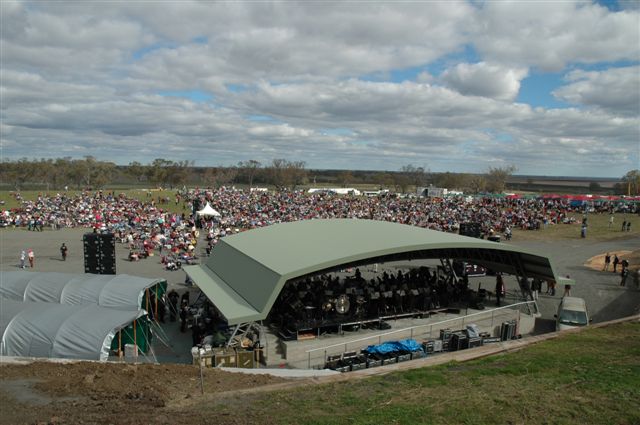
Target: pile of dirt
[(90, 392), (597, 262)]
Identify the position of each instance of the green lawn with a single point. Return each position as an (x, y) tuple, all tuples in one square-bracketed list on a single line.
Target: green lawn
[(597, 229), (592, 377)]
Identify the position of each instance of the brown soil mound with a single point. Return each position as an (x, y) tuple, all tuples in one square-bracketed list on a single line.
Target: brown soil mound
[(597, 262), (89, 392)]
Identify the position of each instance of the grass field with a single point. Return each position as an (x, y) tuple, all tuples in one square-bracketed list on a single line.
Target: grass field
[(591, 377), (598, 229)]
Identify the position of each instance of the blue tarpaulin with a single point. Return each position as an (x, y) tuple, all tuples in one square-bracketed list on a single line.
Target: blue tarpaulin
[(405, 345)]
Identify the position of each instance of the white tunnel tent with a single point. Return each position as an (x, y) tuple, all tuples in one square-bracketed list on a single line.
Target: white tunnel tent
[(122, 292), (30, 329)]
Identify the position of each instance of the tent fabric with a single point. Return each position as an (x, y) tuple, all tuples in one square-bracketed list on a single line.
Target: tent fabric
[(403, 346), (30, 329), (208, 211), (246, 272), (121, 292)]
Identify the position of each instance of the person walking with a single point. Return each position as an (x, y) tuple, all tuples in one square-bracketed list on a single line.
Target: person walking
[(629, 226), (173, 304), (607, 262), (499, 289), (623, 276), (536, 286), (32, 257), (23, 259), (63, 251), (624, 225), (616, 261)]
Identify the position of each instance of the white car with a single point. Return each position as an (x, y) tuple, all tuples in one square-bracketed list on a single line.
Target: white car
[(572, 313)]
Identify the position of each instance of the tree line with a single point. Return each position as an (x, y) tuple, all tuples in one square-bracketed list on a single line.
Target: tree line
[(280, 173)]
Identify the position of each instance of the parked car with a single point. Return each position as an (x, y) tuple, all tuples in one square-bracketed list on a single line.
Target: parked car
[(572, 313)]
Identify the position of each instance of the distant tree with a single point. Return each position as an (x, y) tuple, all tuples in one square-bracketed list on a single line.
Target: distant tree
[(631, 182), (401, 182), (476, 183), (249, 169), (417, 176), (136, 170), (450, 180), (19, 173), (344, 178), (594, 187), (385, 180), (286, 174), (177, 173), (157, 171), (496, 178)]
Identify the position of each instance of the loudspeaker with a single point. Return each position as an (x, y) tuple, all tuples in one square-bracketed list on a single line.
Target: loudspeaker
[(508, 330), (99, 253), (459, 341), (428, 347), (475, 342)]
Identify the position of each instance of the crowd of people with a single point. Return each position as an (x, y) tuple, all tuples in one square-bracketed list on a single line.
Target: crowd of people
[(148, 228)]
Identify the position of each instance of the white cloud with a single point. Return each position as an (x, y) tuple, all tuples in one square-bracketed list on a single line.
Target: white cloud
[(616, 90), (482, 79), (550, 35)]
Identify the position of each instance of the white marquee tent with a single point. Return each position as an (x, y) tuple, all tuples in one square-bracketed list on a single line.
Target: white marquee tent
[(208, 211), (122, 292), (31, 329)]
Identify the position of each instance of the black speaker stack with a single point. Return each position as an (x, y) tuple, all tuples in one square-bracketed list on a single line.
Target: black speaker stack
[(470, 229), (99, 253)]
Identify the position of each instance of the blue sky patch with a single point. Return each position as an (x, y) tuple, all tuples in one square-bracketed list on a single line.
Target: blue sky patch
[(140, 53), (237, 88), (197, 96), (537, 87), (336, 131), (261, 118)]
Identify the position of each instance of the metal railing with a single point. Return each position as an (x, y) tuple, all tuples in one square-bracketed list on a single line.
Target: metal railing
[(413, 330)]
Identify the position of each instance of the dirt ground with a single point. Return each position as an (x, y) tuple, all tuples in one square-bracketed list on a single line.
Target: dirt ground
[(597, 262), (103, 393)]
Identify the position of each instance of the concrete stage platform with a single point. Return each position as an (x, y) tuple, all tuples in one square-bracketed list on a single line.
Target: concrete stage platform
[(312, 351)]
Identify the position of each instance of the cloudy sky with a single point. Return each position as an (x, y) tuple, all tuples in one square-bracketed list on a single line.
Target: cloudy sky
[(551, 87)]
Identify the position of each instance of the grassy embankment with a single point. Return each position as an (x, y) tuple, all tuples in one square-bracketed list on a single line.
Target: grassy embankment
[(590, 377)]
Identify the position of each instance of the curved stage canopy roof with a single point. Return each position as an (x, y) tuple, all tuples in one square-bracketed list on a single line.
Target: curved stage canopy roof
[(246, 272), (122, 292)]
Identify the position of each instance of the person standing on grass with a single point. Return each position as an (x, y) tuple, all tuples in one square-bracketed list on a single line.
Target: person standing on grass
[(23, 259), (607, 262), (629, 226), (610, 221), (624, 225)]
